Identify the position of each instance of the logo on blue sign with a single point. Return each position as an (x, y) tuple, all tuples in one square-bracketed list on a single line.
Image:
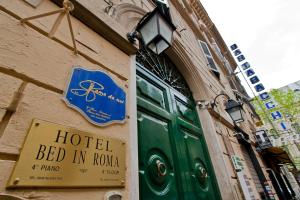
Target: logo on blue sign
[(96, 96)]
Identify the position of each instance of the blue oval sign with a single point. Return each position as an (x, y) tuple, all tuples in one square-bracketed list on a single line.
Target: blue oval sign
[(96, 96)]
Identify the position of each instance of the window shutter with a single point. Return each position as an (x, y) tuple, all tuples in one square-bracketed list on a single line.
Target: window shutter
[(205, 48), (211, 63), (209, 58)]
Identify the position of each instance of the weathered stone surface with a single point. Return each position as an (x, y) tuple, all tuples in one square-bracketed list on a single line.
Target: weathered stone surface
[(229, 166), (32, 57), (222, 144), (43, 104), (237, 149), (46, 105), (216, 153), (2, 113), (35, 56), (7, 167), (88, 42), (8, 86)]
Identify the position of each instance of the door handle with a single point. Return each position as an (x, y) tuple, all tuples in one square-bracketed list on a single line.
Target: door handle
[(161, 168), (203, 175)]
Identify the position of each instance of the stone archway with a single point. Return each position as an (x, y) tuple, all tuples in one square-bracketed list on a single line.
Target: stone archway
[(128, 15), (188, 70)]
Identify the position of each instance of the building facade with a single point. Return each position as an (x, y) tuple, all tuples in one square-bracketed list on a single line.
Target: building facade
[(177, 146)]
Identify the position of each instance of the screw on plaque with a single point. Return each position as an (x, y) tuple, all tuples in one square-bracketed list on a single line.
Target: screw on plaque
[(16, 181), (37, 124)]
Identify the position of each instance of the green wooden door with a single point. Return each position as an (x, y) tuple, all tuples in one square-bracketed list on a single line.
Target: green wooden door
[(173, 159)]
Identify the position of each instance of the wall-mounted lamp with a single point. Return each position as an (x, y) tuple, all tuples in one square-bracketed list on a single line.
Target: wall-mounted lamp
[(154, 31), (233, 108)]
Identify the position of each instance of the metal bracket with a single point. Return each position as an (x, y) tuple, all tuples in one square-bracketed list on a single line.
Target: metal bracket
[(67, 8), (203, 104)]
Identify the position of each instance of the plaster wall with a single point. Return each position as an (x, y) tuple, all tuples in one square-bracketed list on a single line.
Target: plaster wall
[(34, 70), (236, 149)]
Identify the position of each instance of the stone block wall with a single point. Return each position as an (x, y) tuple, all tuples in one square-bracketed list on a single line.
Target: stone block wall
[(34, 71)]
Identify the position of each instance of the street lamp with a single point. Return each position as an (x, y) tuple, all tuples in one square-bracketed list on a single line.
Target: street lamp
[(155, 31), (233, 108)]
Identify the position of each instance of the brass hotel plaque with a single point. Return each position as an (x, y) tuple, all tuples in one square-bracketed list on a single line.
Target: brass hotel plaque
[(58, 156)]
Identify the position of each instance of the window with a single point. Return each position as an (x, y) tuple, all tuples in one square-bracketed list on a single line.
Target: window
[(209, 58)]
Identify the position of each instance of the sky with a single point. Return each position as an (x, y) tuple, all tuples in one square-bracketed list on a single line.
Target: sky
[(266, 31)]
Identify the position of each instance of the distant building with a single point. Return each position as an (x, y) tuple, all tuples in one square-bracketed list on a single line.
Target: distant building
[(292, 86), (295, 126)]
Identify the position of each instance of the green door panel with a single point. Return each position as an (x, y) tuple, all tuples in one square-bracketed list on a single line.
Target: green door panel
[(150, 92), (173, 158), (198, 170), (181, 122), (186, 113), (196, 164), (152, 95), (156, 167), (144, 104)]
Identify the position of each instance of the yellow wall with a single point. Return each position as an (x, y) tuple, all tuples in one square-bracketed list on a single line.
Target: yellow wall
[(38, 67)]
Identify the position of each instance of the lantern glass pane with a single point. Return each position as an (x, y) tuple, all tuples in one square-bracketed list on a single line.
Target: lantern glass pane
[(149, 30), (158, 46), (165, 30), (161, 46), (236, 114), (152, 47)]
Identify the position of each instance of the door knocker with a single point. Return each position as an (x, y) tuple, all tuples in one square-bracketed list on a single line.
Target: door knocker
[(161, 168)]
